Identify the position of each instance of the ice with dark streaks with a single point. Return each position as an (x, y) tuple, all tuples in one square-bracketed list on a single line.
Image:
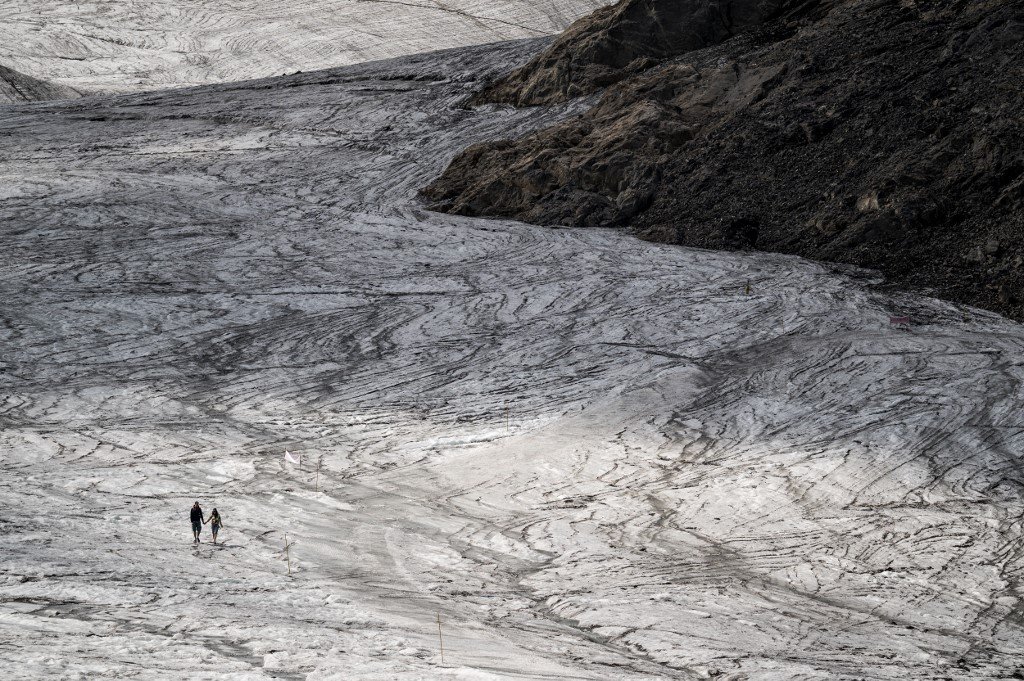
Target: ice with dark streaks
[(119, 46), (593, 457)]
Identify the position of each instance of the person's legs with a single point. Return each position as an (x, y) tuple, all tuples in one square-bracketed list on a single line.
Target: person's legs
[(215, 529), (196, 528)]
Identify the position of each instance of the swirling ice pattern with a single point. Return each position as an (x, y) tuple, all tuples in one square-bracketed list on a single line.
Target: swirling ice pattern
[(592, 456), (119, 46)]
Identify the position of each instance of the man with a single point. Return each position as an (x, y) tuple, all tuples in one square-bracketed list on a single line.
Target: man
[(197, 521)]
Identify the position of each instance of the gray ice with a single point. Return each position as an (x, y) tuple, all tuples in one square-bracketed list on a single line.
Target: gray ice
[(586, 455)]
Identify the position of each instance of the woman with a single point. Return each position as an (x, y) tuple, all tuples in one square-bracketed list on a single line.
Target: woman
[(215, 523)]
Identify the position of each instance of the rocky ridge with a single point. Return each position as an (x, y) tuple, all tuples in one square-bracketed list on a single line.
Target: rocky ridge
[(886, 135), (625, 39)]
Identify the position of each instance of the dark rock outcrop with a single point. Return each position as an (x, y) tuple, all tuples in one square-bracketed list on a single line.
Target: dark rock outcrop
[(624, 39), (880, 133)]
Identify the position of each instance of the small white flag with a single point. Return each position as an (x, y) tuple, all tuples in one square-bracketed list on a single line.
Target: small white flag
[(291, 458)]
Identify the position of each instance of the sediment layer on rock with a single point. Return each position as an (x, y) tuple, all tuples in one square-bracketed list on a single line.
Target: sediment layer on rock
[(881, 134)]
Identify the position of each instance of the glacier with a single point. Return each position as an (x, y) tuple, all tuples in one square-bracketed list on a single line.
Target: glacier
[(118, 46), (576, 454)]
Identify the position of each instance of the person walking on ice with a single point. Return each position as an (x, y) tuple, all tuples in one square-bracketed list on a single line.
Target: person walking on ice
[(197, 521), (215, 524)]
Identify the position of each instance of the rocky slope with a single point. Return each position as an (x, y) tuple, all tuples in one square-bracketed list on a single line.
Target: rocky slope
[(882, 134), (625, 39)]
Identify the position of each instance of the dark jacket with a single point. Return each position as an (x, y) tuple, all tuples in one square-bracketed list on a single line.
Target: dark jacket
[(197, 514)]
